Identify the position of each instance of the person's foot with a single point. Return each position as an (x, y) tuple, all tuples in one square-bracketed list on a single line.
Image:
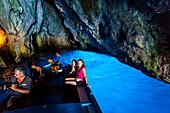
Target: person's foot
[(10, 107)]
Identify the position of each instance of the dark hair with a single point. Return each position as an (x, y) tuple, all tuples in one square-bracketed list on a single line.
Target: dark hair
[(82, 65), (58, 52), (21, 69), (74, 61), (31, 63), (82, 61)]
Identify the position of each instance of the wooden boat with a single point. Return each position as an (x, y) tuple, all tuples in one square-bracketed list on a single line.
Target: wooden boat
[(59, 94)]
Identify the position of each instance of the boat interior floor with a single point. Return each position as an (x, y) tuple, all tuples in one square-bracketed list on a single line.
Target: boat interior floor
[(53, 90), (60, 93)]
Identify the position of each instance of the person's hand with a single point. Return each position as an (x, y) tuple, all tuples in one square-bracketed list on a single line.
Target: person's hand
[(13, 87), (57, 62), (4, 87), (88, 85)]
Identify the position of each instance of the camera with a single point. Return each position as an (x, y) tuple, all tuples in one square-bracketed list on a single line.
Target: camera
[(7, 87)]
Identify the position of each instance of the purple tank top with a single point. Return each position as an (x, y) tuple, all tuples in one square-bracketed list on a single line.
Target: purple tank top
[(80, 74)]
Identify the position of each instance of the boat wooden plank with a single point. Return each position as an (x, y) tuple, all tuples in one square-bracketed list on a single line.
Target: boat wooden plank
[(73, 98), (55, 99), (82, 95), (58, 81), (52, 108)]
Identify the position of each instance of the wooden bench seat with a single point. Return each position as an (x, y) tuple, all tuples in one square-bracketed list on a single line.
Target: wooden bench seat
[(82, 95), (81, 91)]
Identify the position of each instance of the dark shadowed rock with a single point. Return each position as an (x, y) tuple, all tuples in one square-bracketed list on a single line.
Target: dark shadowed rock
[(136, 32)]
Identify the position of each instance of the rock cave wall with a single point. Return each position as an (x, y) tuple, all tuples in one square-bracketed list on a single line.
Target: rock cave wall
[(135, 32)]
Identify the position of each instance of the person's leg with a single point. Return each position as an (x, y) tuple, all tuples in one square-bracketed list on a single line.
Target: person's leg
[(14, 103), (10, 103), (52, 67), (56, 68), (27, 100)]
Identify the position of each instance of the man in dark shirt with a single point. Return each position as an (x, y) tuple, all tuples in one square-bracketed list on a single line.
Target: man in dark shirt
[(21, 86)]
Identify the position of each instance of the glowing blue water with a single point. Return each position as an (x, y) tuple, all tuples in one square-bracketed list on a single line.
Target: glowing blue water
[(119, 88)]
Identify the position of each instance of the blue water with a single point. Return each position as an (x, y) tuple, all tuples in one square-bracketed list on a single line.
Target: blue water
[(119, 88)]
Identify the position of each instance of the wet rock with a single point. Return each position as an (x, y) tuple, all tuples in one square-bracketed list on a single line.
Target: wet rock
[(135, 32), (2, 63)]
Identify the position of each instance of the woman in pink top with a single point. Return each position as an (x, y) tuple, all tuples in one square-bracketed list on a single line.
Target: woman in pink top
[(81, 73)]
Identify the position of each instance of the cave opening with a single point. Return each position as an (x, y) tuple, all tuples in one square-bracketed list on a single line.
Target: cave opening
[(5, 52), (3, 37), (34, 43), (135, 32)]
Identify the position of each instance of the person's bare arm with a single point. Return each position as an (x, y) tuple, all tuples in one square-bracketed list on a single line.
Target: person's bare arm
[(40, 70), (15, 88), (84, 72), (58, 62), (71, 70)]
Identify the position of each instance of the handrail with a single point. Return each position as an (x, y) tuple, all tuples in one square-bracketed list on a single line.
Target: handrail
[(5, 95), (92, 99)]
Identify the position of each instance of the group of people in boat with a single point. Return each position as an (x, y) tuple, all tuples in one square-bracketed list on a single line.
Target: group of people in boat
[(21, 84)]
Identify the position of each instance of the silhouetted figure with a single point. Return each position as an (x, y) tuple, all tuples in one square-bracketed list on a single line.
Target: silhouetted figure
[(35, 71)]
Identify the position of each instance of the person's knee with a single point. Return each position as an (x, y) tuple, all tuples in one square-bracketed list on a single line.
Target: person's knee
[(14, 103), (52, 67), (56, 67), (10, 103), (11, 106)]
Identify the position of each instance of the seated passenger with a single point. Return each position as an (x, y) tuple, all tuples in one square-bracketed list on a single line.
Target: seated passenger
[(35, 71), (21, 86), (73, 67), (58, 64), (81, 74)]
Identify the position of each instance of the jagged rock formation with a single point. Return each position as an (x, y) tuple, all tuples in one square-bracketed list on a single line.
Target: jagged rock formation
[(135, 32), (2, 63)]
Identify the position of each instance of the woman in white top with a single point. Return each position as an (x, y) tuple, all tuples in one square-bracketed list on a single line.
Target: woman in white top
[(73, 67)]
